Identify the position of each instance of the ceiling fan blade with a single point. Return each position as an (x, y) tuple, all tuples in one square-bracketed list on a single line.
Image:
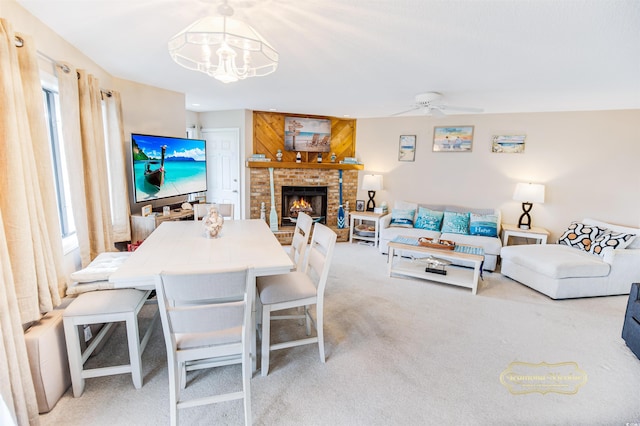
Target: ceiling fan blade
[(404, 112), (436, 111), (458, 108)]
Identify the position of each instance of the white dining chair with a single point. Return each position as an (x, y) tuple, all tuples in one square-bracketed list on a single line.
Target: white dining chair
[(226, 210), (301, 288), (206, 322), (300, 240), (200, 210)]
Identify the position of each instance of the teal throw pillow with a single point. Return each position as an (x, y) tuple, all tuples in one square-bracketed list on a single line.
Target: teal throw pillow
[(402, 218), (455, 223), (430, 220), (483, 224)]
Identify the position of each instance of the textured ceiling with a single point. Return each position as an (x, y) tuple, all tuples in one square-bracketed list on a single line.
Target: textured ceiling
[(369, 58)]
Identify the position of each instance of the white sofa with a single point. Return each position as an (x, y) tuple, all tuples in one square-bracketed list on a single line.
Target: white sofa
[(562, 271), (491, 245)]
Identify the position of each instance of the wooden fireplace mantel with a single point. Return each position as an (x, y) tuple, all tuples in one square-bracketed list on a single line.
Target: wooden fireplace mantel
[(290, 165)]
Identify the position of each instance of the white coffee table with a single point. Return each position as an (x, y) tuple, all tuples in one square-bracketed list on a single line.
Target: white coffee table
[(456, 275)]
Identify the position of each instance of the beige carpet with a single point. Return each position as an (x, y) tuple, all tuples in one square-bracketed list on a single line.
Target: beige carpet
[(400, 351)]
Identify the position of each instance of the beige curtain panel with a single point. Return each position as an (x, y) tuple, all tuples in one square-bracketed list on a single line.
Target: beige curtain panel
[(83, 134), (116, 161), (30, 243)]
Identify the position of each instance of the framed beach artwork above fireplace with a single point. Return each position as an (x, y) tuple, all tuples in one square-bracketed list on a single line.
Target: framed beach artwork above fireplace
[(307, 134)]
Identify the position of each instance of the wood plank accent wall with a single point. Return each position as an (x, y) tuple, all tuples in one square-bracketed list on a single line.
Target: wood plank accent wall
[(268, 137)]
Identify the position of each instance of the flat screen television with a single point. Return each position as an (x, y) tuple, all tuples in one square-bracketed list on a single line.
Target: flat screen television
[(166, 167)]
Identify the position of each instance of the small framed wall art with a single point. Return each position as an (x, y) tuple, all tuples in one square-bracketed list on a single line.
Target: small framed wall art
[(508, 144), (453, 139), (407, 148), (359, 205)]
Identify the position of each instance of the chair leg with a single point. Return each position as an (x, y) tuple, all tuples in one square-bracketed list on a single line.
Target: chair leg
[(247, 368), (75, 356), (174, 391), (320, 330), (307, 319), (266, 331), (135, 357)]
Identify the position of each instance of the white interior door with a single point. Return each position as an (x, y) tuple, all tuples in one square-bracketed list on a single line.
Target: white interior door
[(223, 167)]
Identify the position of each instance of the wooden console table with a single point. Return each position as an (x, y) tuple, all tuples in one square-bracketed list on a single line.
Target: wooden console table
[(142, 226)]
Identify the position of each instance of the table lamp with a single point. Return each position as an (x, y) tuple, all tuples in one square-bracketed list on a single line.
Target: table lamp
[(371, 183), (528, 193)]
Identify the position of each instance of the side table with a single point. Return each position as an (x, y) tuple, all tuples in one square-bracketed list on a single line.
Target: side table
[(361, 217), (539, 234)]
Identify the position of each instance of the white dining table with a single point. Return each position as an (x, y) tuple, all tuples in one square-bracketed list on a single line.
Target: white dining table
[(183, 245)]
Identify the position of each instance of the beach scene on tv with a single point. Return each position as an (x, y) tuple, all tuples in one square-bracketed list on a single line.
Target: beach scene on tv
[(307, 134), (167, 167)]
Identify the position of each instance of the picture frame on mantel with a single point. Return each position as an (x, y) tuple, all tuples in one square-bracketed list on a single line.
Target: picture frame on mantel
[(407, 148), (307, 134), (452, 138)]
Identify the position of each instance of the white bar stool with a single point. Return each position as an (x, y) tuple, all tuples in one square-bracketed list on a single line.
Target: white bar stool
[(109, 307)]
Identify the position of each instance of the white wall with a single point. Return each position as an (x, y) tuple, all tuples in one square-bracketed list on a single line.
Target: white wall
[(587, 160)]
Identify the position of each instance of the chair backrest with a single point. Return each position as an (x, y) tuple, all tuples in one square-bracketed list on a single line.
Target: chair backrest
[(300, 239), (320, 253), (204, 302), (225, 210), (200, 210)]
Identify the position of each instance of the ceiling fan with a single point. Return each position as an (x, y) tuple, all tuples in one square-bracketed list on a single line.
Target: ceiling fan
[(427, 103)]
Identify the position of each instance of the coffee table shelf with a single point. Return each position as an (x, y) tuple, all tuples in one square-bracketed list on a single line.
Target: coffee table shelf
[(456, 275)]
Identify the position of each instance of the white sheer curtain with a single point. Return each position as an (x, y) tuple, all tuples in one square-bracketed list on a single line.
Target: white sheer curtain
[(31, 277), (83, 133), (116, 161)]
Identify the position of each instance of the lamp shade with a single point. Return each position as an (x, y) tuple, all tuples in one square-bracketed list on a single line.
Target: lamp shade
[(372, 182), (529, 193)]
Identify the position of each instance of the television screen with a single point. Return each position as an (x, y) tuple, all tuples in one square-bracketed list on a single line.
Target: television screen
[(167, 167)]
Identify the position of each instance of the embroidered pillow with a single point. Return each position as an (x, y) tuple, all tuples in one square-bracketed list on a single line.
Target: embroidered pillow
[(580, 235), (612, 240), (430, 220), (402, 218), (455, 223), (483, 224)]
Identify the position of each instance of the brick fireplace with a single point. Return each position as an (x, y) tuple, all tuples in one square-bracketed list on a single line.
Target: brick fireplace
[(302, 177)]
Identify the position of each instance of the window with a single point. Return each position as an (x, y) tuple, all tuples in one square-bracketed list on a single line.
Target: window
[(61, 178)]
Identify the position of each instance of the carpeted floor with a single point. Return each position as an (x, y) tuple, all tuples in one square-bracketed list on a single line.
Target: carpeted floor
[(399, 351)]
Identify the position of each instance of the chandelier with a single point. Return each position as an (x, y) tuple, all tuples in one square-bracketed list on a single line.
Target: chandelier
[(223, 48)]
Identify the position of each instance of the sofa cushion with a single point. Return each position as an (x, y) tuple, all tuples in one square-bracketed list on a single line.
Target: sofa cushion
[(483, 224), (402, 218), (491, 245), (556, 260), (580, 235), (611, 240), (428, 219), (455, 223)]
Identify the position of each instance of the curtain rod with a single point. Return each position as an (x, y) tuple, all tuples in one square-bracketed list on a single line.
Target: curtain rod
[(19, 42)]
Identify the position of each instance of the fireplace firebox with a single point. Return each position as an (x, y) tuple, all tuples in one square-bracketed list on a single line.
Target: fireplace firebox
[(311, 200)]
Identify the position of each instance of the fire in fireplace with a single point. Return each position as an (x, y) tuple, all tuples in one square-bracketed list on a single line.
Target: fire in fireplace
[(311, 200)]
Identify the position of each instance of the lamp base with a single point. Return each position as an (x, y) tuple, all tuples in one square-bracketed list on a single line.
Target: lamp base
[(371, 204), (525, 219)]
